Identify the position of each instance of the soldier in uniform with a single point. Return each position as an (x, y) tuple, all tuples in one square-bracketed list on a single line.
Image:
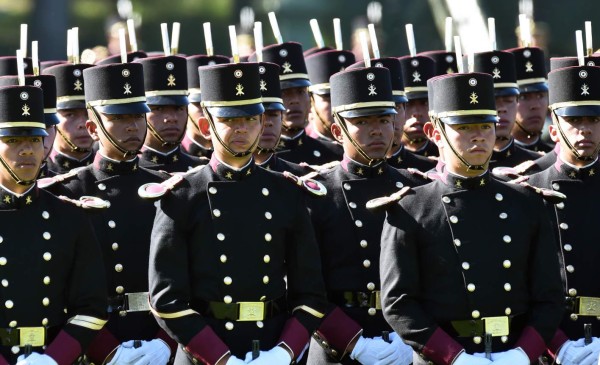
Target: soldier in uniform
[(116, 105), (501, 65), (532, 104), (574, 99), (73, 147), (53, 300), (194, 142), (234, 258), (415, 73), (295, 146), (165, 81), (468, 271), (348, 233)]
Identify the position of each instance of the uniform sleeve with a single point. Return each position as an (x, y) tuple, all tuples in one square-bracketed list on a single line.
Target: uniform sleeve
[(400, 283), (86, 298), (169, 285)]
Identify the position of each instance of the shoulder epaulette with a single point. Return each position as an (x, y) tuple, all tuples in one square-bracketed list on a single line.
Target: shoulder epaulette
[(155, 190), (523, 167), (87, 202), (386, 200), (503, 172), (49, 181), (419, 173), (307, 183), (549, 195), (319, 168)]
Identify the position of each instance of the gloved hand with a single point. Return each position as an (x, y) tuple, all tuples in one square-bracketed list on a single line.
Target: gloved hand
[(149, 353), (234, 361), (36, 359), (570, 351), (374, 351), (466, 359), (403, 354), (589, 353), (275, 356), (511, 357)]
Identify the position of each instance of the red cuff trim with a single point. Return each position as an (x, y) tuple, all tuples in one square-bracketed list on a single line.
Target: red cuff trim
[(207, 346), (532, 343), (64, 349), (338, 329), (3, 361), (441, 348), (557, 341), (102, 345), (168, 340), (295, 336)]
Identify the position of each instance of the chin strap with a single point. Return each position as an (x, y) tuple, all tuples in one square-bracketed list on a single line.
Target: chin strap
[(222, 143), (469, 166), (413, 140), (126, 153), (325, 125), (16, 177), (164, 143), (528, 133), (74, 148), (372, 161), (574, 151)]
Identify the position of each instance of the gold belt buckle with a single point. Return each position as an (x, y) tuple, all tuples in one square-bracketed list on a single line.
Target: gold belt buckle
[(34, 336), (497, 326), (377, 300), (137, 302), (251, 311), (589, 306)]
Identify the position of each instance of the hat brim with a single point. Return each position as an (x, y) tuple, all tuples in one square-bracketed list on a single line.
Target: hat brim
[(506, 91), (23, 132), (167, 100), (71, 104), (417, 95), (236, 111), (399, 99), (532, 88), (51, 119), (195, 98), (321, 91), (578, 111), (366, 112), (288, 84), (274, 106), (470, 119), (128, 108)]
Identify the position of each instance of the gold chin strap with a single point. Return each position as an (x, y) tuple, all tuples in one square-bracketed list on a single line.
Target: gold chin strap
[(372, 161), (529, 134), (413, 140), (577, 155), (126, 153), (72, 145), (192, 122), (323, 123), (156, 135), (222, 143), (469, 166), (16, 177)]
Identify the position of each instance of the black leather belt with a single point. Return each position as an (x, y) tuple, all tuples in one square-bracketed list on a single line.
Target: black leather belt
[(245, 311), (129, 302), (359, 299)]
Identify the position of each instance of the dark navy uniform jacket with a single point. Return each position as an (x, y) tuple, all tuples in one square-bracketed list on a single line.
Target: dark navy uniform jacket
[(303, 148), (60, 163), (174, 161)]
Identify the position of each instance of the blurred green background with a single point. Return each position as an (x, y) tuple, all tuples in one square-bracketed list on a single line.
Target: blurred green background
[(49, 19)]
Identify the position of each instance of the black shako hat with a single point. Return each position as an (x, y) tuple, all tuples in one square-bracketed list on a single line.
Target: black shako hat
[(393, 65), (321, 65), (193, 62), (445, 62), (415, 73), (48, 85), (69, 85), (269, 86), (8, 65), (289, 57), (575, 91), (501, 65), (560, 62), (22, 111), (131, 56), (165, 80), (530, 64)]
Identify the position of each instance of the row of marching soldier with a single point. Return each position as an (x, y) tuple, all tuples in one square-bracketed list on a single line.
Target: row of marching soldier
[(168, 209)]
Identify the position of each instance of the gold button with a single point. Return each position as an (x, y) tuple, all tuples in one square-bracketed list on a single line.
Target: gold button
[(466, 266), (212, 190), (371, 286), (115, 246), (227, 280), (216, 213), (457, 242), (499, 197), (265, 279), (507, 311), (358, 223), (564, 226), (506, 264), (475, 314), (570, 268), (267, 259), (119, 289), (223, 258), (454, 219), (118, 267), (367, 263), (45, 215), (572, 292), (567, 247), (507, 239), (268, 237), (347, 186), (227, 299), (363, 243), (265, 191), (477, 340), (268, 215), (352, 205), (229, 326), (112, 224), (471, 287), (45, 322), (446, 199), (46, 302), (4, 283), (560, 205), (507, 287), (503, 215), (372, 311), (12, 324), (555, 186), (46, 235), (47, 256), (220, 236)]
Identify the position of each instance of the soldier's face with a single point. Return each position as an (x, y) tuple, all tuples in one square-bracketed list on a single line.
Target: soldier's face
[(297, 104), (399, 121), (128, 130), (49, 140), (237, 133), (322, 106), (272, 129), (24, 155), (169, 122), (372, 133), (474, 142), (72, 125), (531, 110), (582, 132), (417, 114), (507, 112)]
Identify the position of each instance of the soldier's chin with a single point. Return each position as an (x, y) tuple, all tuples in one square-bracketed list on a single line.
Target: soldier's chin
[(295, 123)]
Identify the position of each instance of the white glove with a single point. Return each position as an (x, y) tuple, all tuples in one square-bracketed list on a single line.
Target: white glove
[(150, 353), (512, 357), (570, 351), (588, 355), (234, 361), (403, 354), (373, 351), (36, 359), (275, 356), (466, 359)]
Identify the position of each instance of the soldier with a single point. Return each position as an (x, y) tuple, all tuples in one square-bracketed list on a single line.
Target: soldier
[(234, 257), (165, 81), (349, 234), (53, 299), (295, 146), (194, 142), (532, 105), (576, 127), (73, 147), (415, 73), (116, 107), (501, 65), (265, 155), (467, 267)]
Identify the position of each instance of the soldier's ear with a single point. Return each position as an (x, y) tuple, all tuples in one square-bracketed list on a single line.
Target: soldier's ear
[(336, 132), (204, 127), (553, 131), (92, 129), (436, 136)]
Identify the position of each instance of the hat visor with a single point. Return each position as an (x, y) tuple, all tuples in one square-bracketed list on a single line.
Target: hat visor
[(127, 108), (288, 84), (274, 106), (532, 88), (400, 99), (578, 111), (22, 132), (321, 91), (470, 119), (366, 112), (506, 91), (417, 95), (236, 111), (71, 104), (167, 100), (50, 119), (195, 98)]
